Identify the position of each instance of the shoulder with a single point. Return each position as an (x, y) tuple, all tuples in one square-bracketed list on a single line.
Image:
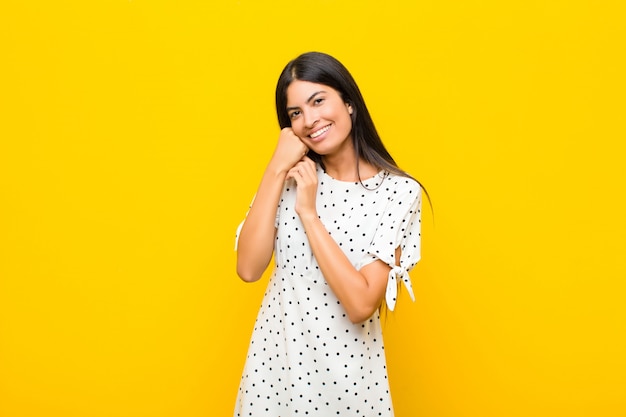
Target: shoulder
[(403, 185)]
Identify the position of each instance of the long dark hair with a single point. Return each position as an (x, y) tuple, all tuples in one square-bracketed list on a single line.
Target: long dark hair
[(320, 68)]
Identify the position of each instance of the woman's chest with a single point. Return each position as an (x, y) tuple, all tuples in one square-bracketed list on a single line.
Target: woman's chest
[(351, 216)]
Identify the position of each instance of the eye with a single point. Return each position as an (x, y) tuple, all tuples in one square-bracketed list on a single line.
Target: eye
[(318, 101), (294, 114)]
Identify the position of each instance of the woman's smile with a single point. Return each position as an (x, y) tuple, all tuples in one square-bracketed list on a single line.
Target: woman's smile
[(317, 135)]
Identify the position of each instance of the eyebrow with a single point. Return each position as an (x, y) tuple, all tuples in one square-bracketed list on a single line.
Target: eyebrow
[(308, 100)]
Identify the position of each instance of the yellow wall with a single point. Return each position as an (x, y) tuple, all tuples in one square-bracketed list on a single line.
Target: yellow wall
[(132, 137)]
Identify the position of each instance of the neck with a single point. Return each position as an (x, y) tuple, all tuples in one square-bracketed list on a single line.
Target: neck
[(344, 167)]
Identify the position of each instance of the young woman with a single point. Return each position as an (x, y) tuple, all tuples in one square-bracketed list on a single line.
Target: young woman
[(343, 224)]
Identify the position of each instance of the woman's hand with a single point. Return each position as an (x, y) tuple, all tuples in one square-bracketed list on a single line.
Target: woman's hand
[(289, 150), (305, 175)]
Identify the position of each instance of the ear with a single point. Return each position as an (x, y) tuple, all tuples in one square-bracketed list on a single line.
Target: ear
[(349, 107)]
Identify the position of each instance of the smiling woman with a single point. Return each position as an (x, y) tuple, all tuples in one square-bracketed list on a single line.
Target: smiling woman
[(343, 223)]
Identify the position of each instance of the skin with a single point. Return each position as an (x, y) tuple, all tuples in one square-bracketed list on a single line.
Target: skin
[(312, 108)]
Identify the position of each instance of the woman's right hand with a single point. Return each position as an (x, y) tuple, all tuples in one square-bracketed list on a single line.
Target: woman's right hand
[(289, 150)]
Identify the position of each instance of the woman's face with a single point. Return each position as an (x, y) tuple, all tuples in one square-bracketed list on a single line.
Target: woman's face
[(319, 117)]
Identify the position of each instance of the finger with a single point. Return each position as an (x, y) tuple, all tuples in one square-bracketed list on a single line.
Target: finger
[(308, 164), (300, 164), (308, 161), (291, 173), (295, 172), (305, 171), (306, 174)]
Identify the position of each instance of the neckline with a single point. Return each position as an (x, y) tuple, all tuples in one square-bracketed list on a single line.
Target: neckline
[(381, 175)]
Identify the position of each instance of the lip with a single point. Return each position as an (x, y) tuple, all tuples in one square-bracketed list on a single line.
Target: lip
[(323, 135)]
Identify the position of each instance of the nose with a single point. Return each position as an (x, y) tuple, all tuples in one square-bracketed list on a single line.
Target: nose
[(310, 119)]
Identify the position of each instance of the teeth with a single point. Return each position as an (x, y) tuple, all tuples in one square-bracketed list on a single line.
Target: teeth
[(319, 132)]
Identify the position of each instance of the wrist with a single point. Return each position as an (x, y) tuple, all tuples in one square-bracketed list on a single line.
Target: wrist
[(308, 218), (274, 169)]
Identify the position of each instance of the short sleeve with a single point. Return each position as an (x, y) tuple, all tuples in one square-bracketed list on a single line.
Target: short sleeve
[(400, 226)]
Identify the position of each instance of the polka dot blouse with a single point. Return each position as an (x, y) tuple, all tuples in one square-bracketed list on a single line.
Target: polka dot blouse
[(306, 358)]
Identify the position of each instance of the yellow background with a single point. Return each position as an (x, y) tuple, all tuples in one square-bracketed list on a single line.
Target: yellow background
[(132, 137)]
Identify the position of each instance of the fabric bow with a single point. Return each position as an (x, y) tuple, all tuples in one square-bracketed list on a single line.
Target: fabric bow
[(392, 285)]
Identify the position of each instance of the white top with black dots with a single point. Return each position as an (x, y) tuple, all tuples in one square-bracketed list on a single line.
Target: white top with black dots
[(306, 358)]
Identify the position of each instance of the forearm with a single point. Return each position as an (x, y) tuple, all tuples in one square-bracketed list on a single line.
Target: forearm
[(256, 238), (360, 293)]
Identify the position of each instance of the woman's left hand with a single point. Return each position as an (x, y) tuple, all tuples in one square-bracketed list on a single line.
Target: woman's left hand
[(305, 175)]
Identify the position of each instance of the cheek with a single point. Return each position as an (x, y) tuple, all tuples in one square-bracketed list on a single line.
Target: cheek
[(297, 126), (347, 120)]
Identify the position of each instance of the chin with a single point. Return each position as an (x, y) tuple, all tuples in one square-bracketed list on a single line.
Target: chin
[(320, 152)]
